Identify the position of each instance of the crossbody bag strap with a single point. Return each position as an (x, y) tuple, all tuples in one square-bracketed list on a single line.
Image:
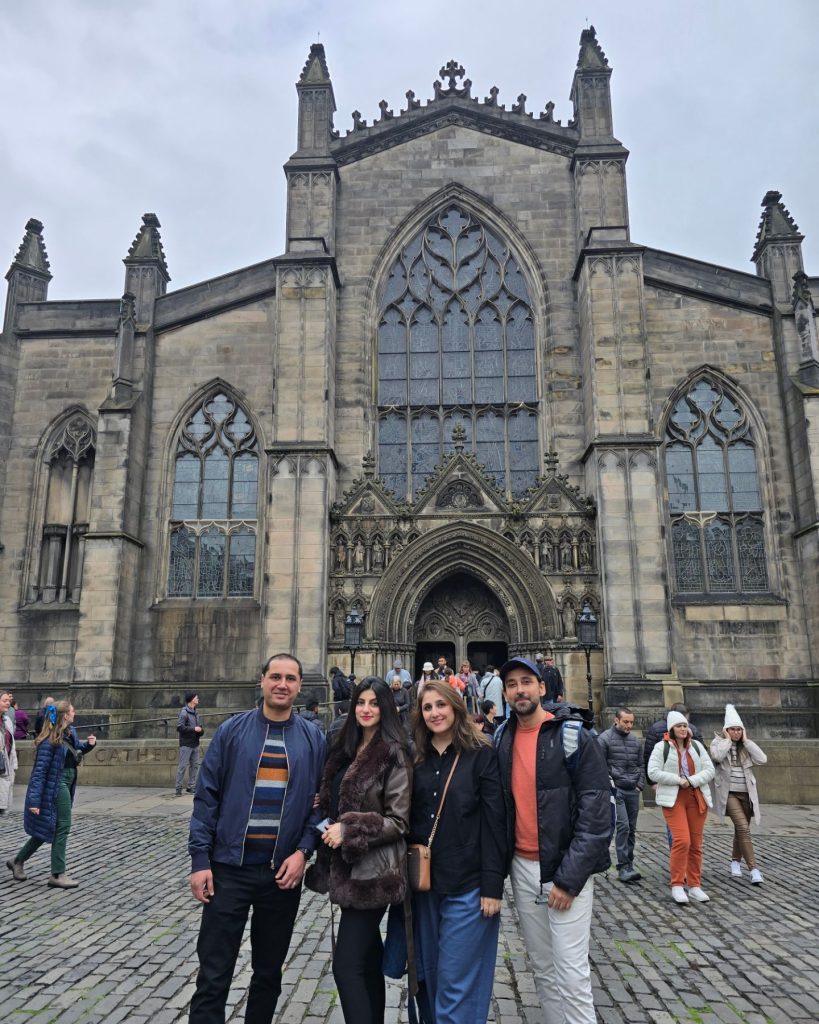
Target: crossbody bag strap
[(443, 797)]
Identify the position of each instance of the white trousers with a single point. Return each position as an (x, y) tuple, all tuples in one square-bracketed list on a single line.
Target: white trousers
[(558, 945)]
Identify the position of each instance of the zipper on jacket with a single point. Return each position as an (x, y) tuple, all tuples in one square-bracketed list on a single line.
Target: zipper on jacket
[(250, 809), (284, 800)]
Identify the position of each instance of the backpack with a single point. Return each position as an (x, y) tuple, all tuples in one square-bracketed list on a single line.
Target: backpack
[(667, 747), (570, 731)]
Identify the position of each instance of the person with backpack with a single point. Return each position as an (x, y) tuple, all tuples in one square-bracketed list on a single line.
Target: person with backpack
[(682, 769), (558, 800), (340, 685)]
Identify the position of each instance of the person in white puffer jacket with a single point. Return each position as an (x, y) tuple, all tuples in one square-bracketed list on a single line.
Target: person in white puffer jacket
[(735, 792), (682, 769)]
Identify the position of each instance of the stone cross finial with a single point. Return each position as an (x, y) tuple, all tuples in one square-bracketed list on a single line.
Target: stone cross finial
[(551, 459), (368, 465), (452, 71)]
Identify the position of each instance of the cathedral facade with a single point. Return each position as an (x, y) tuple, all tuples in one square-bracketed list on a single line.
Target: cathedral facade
[(464, 403)]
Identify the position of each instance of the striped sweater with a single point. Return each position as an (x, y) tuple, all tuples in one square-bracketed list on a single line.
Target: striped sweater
[(268, 798)]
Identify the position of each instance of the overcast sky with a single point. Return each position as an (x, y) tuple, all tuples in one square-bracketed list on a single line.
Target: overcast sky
[(187, 108)]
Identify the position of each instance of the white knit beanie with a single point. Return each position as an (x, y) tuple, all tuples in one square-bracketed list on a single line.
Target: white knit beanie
[(675, 718), (732, 719)]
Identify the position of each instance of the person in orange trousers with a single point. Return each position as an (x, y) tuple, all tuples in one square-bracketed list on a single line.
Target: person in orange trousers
[(682, 769)]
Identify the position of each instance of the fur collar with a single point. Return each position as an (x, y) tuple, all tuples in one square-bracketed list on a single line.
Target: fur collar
[(367, 768)]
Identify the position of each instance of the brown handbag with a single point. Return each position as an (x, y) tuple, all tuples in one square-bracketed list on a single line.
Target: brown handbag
[(419, 855)]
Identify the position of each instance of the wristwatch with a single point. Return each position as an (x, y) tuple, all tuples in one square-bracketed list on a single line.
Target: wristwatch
[(307, 853)]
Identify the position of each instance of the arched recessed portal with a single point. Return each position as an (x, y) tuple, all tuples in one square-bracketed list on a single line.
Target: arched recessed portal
[(461, 550), (460, 618)]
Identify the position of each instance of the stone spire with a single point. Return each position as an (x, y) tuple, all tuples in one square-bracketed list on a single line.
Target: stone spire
[(778, 248), (591, 90), (317, 105), (29, 273), (146, 272)]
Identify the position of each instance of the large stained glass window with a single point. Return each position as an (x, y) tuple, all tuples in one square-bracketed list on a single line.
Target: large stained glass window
[(456, 344), (213, 526), (717, 529)]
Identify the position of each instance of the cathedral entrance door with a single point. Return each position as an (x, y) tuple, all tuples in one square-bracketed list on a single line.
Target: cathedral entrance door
[(432, 651), (462, 615), (482, 653)]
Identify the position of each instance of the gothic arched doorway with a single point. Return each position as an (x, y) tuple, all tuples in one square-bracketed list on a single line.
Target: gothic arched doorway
[(460, 618)]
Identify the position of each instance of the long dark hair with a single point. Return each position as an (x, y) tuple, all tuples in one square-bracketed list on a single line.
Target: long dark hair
[(391, 730), (465, 734)]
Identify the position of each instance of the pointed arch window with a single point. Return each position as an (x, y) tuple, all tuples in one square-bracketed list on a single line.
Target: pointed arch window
[(214, 510), (66, 505), (456, 343), (714, 497)]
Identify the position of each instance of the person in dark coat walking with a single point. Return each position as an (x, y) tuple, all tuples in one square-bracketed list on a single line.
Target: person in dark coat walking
[(50, 793), (624, 756)]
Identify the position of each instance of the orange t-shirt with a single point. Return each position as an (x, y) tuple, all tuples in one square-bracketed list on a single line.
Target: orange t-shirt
[(524, 791)]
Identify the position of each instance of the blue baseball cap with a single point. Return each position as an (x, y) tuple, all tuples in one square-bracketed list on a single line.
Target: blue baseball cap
[(519, 663)]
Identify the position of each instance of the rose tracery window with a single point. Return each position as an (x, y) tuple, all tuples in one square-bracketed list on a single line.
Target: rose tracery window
[(214, 514), (717, 527), (456, 344)]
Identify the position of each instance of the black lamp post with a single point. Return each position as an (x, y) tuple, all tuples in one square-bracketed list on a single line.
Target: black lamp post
[(353, 626), (587, 639)]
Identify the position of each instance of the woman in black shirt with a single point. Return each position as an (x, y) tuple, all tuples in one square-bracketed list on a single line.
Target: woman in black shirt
[(457, 921)]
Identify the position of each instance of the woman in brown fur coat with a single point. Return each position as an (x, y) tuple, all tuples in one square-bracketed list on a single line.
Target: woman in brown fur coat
[(365, 796)]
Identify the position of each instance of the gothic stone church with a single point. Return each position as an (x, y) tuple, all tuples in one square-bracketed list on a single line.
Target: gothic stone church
[(464, 402)]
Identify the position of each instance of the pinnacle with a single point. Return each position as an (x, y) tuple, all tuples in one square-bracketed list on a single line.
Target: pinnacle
[(315, 71), (148, 245), (776, 223), (32, 252), (591, 56)]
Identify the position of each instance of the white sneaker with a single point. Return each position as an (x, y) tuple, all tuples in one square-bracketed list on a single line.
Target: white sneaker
[(756, 877), (736, 868), (678, 894), (699, 895)]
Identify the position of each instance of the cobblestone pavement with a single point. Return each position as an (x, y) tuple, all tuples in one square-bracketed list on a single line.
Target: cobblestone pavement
[(122, 947)]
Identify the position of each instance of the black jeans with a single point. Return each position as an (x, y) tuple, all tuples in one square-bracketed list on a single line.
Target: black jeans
[(237, 889), (357, 966)]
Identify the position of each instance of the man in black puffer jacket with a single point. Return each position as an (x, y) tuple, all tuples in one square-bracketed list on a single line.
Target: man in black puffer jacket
[(624, 756), (557, 793)]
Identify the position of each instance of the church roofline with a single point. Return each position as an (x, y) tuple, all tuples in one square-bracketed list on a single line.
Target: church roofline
[(707, 281), (454, 105)]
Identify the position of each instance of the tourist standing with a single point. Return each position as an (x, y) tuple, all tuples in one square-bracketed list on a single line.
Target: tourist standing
[(252, 832), (557, 791), (8, 755), (458, 919), (364, 801), (190, 733)]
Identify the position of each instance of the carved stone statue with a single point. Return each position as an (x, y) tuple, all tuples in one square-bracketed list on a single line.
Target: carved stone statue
[(565, 556), (567, 617), (546, 554), (358, 557), (585, 554), (338, 621), (378, 554), (528, 547), (341, 554)]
